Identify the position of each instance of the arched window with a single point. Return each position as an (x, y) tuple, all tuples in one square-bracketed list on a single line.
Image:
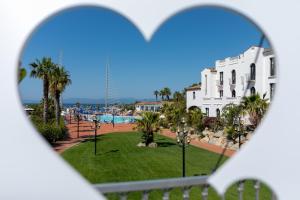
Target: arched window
[(194, 95), (218, 113), (233, 93), (252, 72), (252, 91), (233, 76)]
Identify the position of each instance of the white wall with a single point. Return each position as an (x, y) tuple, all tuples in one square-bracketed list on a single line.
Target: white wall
[(209, 95)]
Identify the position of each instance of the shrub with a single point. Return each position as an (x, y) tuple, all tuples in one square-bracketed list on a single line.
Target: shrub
[(210, 122), (50, 131)]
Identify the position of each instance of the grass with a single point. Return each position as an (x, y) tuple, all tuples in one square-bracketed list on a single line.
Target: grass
[(119, 159)]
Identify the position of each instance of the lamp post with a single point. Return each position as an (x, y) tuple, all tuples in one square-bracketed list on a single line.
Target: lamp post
[(78, 118), (183, 140), (237, 124), (96, 127)]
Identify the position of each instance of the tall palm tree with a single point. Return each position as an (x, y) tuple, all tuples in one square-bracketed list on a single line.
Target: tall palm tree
[(156, 93), (167, 92), (256, 107), (162, 94), (42, 69), (59, 80)]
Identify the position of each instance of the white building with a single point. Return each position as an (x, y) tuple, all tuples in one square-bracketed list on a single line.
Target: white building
[(251, 72), (148, 106)]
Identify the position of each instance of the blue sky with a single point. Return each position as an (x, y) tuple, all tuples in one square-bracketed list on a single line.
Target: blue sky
[(178, 51)]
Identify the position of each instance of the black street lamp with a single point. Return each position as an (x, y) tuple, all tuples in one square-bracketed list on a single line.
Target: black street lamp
[(238, 129), (96, 127), (78, 118), (183, 139)]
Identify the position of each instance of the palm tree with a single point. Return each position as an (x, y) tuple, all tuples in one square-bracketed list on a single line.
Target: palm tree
[(177, 96), (41, 69), (148, 124), (162, 94), (156, 93), (59, 80), (167, 92), (256, 107)]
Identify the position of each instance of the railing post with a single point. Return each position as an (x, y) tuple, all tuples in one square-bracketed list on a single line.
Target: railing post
[(257, 189), (186, 193), (240, 189), (166, 194), (123, 196), (204, 192), (145, 195)]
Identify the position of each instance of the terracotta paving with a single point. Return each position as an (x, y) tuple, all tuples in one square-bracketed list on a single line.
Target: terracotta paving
[(86, 129), (209, 147)]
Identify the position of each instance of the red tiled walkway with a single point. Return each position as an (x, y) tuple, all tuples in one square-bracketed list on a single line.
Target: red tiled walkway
[(209, 147)]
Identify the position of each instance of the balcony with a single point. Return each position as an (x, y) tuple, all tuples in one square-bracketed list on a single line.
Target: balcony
[(167, 185), (250, 79), (232, 84), (219, 84)]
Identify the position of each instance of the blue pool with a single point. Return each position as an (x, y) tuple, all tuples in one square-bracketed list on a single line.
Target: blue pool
[(117, 119)]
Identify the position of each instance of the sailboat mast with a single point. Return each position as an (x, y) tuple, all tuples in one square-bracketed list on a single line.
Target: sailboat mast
[(106, 85)]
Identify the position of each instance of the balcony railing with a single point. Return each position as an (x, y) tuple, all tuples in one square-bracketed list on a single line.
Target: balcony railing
[(167, 185)]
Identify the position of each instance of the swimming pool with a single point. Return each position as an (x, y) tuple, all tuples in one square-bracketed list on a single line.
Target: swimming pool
[(117, 119)]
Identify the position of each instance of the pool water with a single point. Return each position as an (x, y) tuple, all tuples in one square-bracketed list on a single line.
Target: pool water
[(117, 119)]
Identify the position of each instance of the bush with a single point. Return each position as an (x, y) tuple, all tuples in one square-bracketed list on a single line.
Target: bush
[(50, 131), (209, 122)]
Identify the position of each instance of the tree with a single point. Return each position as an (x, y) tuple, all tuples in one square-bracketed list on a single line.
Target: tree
[(178, 96), (59, 80), (231, 115), (167, 92), (148, 124), (195, 119), (156, 93), (162, 94), (256, 107), (230, 112), (42, 69)]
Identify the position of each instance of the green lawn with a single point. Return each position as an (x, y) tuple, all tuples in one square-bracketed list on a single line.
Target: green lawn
[(119, 159)]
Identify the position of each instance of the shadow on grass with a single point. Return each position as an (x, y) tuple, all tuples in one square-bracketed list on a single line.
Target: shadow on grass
[(165, 144), (112, 151)]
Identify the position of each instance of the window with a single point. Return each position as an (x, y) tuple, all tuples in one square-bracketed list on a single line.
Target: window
[(233, 76), (233, 93), (272, 67), (218, 113), (221, 78), (252, 72), (272, 89), (194, 95), (221, 93), (252, 91), (142, 107), (207, 112)]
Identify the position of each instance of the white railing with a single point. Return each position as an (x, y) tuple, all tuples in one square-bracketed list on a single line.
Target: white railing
[(167, 185)]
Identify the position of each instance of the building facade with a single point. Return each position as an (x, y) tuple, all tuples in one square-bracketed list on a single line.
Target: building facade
[(251, 72), (154, 106)]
